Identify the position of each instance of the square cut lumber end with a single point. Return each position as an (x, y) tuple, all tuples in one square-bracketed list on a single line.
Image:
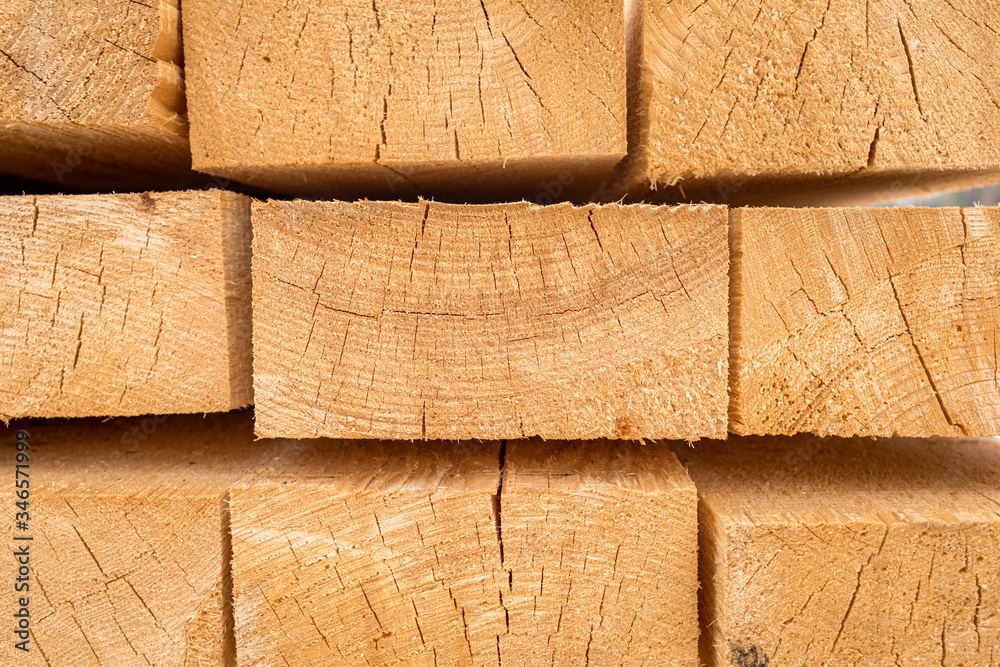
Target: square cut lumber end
[(798, 102), (125, 304), (93, 94), (129, 556), (845, 552), (442, 321), (347, 550), (600, 554), (435, 553), (458, 99), (871, 322)]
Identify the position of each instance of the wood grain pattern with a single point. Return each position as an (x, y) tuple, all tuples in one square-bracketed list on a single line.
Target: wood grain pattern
[(466, 553), (129, 556), (848, 552), (792, 102), (865, 321), (451, 98), (600, 555), (425, 320), (93, 94), (346, 552), (124, 304)]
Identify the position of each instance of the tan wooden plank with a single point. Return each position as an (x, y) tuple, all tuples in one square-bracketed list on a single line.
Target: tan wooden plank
[(468, 100), (467, 553), (847, 552), (810, 102), (346, 552), (427, 320), (93, 94), (600, 552), (128, 561), (865, 321), (124, 304)]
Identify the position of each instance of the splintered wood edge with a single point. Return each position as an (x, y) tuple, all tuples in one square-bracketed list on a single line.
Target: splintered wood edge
[(582, 466), (167, 101), (735, 410)]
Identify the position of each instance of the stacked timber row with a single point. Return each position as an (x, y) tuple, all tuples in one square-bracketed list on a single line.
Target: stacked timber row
[(181, 540), (533, 424)]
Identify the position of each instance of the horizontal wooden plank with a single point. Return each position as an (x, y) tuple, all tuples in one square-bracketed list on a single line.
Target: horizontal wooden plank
[(93, 94), (429, 320), (838, 551), (124, 304), (466, 553), (798, 102), (865, 321), (468, 100)]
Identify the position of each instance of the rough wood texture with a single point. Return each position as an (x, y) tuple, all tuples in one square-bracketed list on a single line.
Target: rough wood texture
[(346, 552), (425, 320), (93, 93), (453, 98), (848, 552), (129, 556), (793, 102), (349, 552), (865, 321), (600, 552), (124, 304)]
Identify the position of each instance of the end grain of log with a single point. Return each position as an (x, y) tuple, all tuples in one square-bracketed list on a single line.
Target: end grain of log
[(466, 553), (472, 101), (847, 552), (438, 321), (817, 103), (124, 304), (872, 322), (129, 548), (93, 94), (600, 555)]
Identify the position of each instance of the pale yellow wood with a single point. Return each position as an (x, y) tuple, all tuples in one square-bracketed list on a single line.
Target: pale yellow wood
[(865, 321), (129, 556), (124, 304), (92, 93), (349, 552), (848, 552), (600, 555), (374, 552), (425, 320), (810, 101), (392, 98)]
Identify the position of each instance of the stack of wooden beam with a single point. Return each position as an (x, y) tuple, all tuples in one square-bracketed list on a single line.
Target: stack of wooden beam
[(486, 343)]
